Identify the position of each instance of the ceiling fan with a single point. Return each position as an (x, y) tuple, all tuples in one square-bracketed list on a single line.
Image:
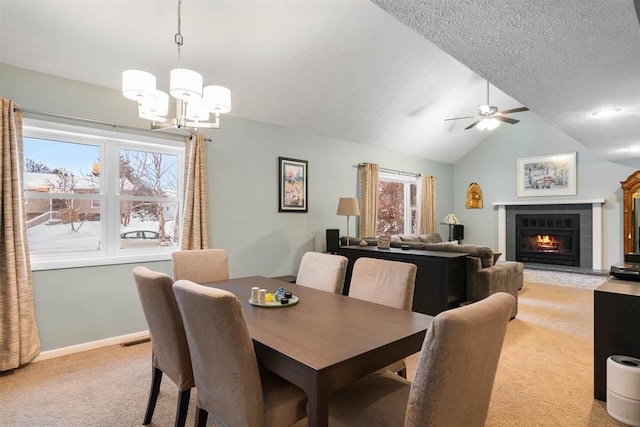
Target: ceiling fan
[(488, 116)]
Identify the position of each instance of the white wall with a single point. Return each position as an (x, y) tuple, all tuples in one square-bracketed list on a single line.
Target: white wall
[(492, 164), (86, 304)]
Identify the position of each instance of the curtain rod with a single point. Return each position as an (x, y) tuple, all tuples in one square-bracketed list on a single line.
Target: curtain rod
[(115, 126), (391, 171)]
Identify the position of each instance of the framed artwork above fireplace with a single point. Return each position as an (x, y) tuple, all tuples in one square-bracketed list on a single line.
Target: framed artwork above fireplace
[(553, 175)]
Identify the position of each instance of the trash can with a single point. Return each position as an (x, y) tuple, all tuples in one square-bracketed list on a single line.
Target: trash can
[(623, 389)]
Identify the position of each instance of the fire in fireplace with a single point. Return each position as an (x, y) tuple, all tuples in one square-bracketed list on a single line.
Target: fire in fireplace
[(548, 238)]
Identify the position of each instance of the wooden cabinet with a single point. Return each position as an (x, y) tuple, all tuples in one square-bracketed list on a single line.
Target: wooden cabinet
[(616, 315), (441, 278)]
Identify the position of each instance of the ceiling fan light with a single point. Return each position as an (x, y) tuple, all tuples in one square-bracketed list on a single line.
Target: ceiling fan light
[(217, 99), (138, 85), (185, 84), (492, 123)]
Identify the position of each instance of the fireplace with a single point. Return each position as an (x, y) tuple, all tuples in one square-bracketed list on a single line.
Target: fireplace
[(548, 238)]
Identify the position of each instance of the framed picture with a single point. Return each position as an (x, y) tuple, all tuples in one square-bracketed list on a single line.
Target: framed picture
[(292, 185), (384, 242), (547, 175)]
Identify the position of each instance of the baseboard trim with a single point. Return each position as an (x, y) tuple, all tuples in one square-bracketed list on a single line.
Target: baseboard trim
[(63, 351)]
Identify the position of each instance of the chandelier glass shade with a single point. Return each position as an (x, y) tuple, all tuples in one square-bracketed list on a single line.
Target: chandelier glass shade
[(193, 102)]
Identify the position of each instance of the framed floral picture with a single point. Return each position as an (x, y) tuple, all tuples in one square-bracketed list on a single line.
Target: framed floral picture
[(553, 175), (292, 185)]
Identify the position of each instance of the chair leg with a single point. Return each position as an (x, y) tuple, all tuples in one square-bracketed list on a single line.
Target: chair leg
[(201, 417), (183, 407), (403, 373), (156, 378)]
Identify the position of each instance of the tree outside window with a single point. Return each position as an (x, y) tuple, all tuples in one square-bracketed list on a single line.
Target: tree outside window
[(396, 205)]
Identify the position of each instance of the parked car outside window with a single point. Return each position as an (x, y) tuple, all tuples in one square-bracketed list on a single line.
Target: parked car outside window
[(139, 239)]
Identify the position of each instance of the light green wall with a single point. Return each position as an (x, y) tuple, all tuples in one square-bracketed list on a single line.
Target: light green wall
[(86, 304), (492, 164)]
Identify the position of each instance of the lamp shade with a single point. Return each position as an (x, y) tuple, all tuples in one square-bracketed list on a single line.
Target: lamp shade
[(185, 84), (138, 85), (217, 99), (450, 219), (197, 111), (348, 206), (156, 108)]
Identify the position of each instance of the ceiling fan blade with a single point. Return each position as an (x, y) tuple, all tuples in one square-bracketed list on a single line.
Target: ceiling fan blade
[(506, 119), (472, 125), (514, 110), (458, 118)]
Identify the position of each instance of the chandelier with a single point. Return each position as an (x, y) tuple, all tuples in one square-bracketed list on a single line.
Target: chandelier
[(194, 104)]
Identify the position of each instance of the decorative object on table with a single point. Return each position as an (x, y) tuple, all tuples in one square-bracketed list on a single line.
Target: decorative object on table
[(255, 294), (450, 220), (273, 303), (279, 294), (384, 242), (292, 185), (474, 196), (348, 206), (553, 175), (262, 296), (193, 103)]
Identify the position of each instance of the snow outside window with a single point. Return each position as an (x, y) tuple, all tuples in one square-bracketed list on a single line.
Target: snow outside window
[(93, 197)]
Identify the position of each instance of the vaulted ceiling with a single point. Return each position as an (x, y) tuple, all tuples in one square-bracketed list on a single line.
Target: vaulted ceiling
[(385, 73)]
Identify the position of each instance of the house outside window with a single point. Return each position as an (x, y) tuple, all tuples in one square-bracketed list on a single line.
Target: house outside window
[(95, 197), (396, 204)]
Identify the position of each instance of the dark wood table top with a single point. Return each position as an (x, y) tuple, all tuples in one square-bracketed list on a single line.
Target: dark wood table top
[(326, 341)]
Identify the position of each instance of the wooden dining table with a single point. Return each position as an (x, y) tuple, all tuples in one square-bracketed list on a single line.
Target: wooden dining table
[(326, 341)]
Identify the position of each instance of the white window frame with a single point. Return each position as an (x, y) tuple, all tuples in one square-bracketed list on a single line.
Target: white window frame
[(110, 143), (407, 180)]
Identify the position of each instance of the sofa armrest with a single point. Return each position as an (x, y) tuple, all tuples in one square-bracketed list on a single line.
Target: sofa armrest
[(482, 282)]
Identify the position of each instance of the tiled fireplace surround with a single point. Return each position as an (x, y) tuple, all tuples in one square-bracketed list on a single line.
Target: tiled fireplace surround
[(590, 212)]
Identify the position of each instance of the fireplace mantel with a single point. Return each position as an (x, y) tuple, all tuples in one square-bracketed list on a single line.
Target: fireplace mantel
[(597, 222)]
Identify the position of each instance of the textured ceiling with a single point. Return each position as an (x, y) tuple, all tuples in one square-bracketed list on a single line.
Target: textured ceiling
[(564, 60), (350, 70)]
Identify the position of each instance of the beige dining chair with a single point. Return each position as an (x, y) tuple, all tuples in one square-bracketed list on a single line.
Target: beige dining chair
[(454, 376), (170, 351), (200, 265), (385, 282), (322, 271), (230, 385)]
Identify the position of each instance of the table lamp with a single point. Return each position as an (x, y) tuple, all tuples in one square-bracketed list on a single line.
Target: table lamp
[(348, 206), (450, 220)]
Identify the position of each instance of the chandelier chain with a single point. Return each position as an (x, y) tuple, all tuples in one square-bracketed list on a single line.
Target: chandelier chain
[(178, 37)]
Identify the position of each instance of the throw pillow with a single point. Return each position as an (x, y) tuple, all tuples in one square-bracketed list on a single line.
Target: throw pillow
[(496, 255)]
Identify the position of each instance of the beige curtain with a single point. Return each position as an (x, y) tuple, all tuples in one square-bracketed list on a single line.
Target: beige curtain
[(195, 229), (19, 342), (368, 199), (426, 204)]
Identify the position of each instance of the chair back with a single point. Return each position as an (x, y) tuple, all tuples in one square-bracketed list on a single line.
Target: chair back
[(168, 339), (200, 265), (322, 271), (384, 282), (457, 365), (224, 361)]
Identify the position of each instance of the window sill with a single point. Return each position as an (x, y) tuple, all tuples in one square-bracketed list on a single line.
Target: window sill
[(57, 264)]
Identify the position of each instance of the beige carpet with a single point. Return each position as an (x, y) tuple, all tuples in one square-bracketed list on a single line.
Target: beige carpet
[(545, 376)]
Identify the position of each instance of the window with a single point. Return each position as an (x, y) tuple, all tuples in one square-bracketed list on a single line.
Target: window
[(396, 204), (94, 197)]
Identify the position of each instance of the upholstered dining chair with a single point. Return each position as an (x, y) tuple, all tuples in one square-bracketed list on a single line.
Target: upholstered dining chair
[(200, 265), (230, 385), (454, 376), (385, 282), (170, 351), (322, 271)]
